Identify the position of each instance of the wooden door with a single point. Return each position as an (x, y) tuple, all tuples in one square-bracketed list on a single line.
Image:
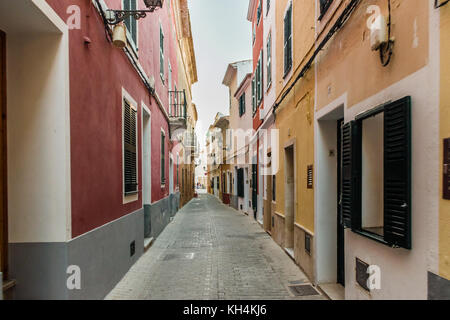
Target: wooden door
[(3, 184)]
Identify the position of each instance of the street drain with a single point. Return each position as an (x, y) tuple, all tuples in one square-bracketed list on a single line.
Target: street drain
[(303, 290), (179, 256)]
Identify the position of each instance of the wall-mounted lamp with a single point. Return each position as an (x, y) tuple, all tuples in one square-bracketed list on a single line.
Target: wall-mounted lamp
[(114, 17)]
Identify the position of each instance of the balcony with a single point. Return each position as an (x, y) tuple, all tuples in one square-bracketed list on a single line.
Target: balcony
[(177, 112)]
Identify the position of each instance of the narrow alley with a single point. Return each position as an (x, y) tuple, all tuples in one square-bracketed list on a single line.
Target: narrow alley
[(211, 251)]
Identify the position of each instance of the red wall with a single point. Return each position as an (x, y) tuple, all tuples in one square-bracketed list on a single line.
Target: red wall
[(257, 48), (98, 72)]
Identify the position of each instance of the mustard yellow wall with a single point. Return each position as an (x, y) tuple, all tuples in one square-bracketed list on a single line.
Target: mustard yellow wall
[(444, 216), (295, 121), (303, 22), (294, 117)]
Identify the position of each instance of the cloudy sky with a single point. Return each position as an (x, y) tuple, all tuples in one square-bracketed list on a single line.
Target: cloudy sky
[(221, 35)]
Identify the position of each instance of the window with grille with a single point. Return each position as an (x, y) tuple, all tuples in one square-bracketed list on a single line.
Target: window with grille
[(376, 174), (130, 22), (288, 41), (129, 148)]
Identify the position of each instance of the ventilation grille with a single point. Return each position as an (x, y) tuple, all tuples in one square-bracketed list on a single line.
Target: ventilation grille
[(310, 175)]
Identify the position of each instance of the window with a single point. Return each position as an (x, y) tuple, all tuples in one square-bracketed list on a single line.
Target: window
[(130, 22), (259, 11), (129, 148), (288, 41), (268, 6), (258, 83), (163, 158), (324, 5), (161, 53), (253, 34), (254, 94), (376, 179), (242, 105), (269, 60)]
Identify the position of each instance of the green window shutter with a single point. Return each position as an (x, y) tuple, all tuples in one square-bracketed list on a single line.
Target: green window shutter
[(130, 158), (397, 173), (240, 182), (288, 40), (253, 94), (349, 195), (163, 158), (133, 23)]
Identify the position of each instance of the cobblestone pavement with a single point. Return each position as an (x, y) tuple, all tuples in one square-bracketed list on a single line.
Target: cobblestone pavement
[(211, 251)]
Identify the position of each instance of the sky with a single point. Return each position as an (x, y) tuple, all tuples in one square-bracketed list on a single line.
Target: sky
[(222, 35)]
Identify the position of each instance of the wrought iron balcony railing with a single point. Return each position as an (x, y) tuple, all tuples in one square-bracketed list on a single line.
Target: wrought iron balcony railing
[(177, 104)]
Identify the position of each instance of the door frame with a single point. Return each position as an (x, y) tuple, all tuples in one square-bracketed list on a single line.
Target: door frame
[(289, 224), (3, 162)]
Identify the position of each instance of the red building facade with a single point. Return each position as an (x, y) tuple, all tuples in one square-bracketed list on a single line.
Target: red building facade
[(104, 223)]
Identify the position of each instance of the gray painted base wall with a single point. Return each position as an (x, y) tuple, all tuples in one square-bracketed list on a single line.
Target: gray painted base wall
[(234, 201), (157, 215), (102, 254)]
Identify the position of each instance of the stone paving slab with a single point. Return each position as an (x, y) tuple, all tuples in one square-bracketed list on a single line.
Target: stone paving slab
[(211, 252)]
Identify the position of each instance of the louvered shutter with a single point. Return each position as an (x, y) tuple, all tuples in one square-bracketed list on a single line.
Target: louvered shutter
[(130, 159), (288, 40), (397, 173), (240, 178), (349, 175), (133, 22), (446, 186), (163, 159)]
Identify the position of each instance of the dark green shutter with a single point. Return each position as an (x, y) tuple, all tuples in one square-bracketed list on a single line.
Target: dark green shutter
[(288, 40), (163, 158), (397, 173), (130, 159), (134, 24), (349, 177), (240, 182)]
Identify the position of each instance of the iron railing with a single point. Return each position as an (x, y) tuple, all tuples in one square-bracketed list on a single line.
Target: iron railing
[(177, 104)]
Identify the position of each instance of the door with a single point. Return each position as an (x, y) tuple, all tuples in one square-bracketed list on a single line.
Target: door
[(289, 198), (246, 191), (255, 189), (3, 184), (171, 175), (340, 225)]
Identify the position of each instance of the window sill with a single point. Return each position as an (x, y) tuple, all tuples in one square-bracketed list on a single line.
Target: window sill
[(372, 236), (131, 193)]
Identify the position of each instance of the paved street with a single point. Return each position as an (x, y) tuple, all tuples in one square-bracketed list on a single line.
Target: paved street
[(211, 251)]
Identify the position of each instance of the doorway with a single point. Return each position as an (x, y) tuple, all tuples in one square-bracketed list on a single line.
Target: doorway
[(289, 198), (246, 191), (170, 175), (3, 172), (146, 154), (340, 226), (255, 189)]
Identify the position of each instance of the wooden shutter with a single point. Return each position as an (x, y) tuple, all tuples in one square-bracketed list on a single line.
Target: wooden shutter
[(349, 175), (446, 171), (288, 40), (130, 159), (161, 52), (163, 158), (397, 173), (240, 181)]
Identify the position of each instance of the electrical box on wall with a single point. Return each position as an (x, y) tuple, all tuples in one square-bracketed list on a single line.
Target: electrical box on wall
[(378, 33)]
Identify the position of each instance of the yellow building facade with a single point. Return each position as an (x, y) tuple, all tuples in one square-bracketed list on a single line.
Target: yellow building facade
[(293, 217), (444, 212)]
